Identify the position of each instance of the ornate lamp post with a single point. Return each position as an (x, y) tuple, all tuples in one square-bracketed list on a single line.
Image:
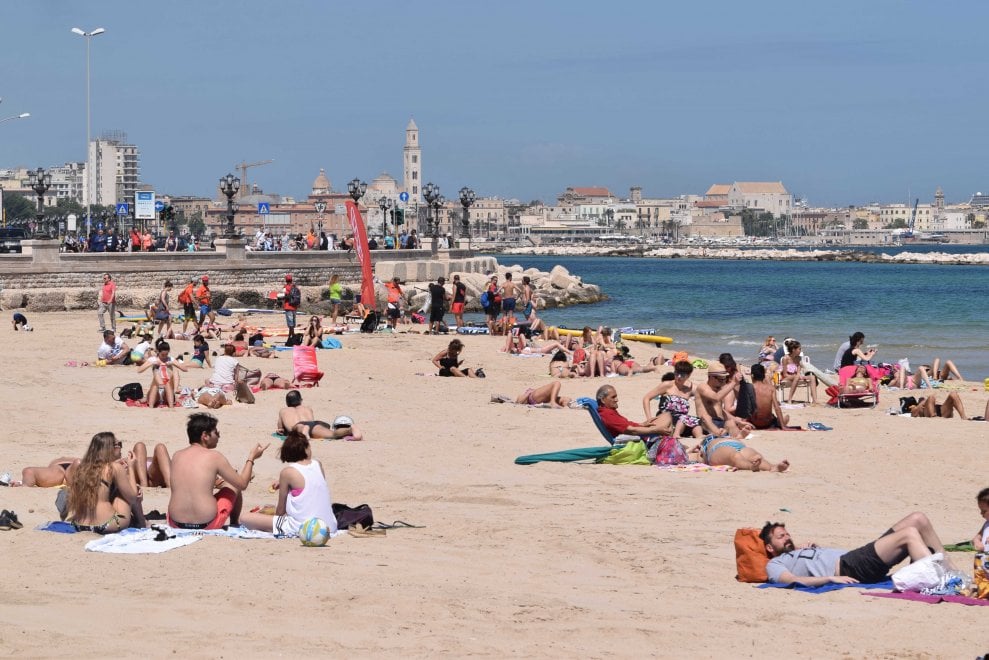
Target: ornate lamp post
[(385, 204), (40, 181), (356, 188), (229, 186), (320, 209), (467, 198), (431, 193)]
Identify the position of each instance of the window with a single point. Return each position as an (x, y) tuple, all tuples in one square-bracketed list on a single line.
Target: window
[(415, 175), (415, 190), (415, 158)]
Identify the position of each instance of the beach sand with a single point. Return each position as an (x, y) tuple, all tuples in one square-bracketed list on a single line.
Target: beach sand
[(550, 560)]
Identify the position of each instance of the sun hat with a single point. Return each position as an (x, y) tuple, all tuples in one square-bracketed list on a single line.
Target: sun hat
[(342, 421)]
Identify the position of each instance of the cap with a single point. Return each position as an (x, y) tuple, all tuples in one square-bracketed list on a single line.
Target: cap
[(288, 277), (205, 278), (342, 421)]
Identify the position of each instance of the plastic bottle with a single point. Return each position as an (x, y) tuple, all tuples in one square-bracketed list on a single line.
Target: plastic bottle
[(986, 383)]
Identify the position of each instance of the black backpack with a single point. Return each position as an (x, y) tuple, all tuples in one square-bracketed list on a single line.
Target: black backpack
[(370, 323), (128, 392), (294, 296), (745, 405)]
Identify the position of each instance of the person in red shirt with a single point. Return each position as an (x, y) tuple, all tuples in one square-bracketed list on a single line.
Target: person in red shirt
[(394, 300), (108, 302), (607, 398), (289, 308), (203, 297)]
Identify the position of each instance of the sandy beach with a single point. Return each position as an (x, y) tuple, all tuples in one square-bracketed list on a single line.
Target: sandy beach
[(550, 560)]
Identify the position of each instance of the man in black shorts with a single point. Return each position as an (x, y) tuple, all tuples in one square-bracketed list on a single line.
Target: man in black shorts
[(813, 566), (437, 304)]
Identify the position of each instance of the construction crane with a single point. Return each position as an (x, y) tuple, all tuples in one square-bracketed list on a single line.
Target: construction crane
[(913, 219), (245, 188)]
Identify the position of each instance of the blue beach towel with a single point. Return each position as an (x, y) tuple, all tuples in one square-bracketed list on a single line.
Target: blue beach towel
[(331, 342), (566, 456), (824, 588)]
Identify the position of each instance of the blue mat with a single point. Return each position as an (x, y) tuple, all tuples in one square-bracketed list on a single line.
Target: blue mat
[(566, 456), (824, 588)]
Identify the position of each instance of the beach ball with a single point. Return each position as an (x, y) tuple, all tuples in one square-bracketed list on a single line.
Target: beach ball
[(314, 533)]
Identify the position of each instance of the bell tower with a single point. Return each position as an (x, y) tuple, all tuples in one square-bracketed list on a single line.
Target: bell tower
[(412, 163)]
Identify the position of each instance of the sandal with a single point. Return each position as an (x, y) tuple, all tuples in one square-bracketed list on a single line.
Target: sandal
[(363, 532), (12, 519), (396, 524)]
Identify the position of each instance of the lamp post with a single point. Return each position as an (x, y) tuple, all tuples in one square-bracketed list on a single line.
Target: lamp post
[(356, 188), (40, 181), (431, 193), (385, 204), (320, 209), (89, 37), (229, 185), (467, 198)]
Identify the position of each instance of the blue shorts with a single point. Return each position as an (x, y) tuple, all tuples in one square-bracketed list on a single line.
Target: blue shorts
[(508, 304), (290, 318), (203, 310)]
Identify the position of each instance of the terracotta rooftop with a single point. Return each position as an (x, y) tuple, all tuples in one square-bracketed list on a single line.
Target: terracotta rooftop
[(718, 189), (594, 191)]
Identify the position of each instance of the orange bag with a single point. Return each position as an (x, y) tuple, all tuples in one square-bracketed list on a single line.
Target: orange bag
[(750, 556)]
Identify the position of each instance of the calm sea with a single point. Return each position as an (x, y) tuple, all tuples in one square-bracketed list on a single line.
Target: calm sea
[(712, 306)]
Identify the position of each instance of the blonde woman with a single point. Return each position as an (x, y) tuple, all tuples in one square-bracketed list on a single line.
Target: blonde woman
[(336, 297), (103, 496)]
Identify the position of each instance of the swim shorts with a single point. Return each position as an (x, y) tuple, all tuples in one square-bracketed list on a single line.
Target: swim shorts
[(225, 498), (508, 304), (457, 308)]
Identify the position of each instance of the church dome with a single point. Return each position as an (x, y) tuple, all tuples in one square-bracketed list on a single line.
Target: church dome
[(321, 186)]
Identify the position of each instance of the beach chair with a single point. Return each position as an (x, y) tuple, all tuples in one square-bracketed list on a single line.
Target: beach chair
[(591, 406), (304, 366), (872, 394)]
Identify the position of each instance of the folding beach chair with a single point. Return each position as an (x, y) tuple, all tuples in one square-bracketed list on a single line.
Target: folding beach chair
[(304, 365), (872, 394), (591, 406)]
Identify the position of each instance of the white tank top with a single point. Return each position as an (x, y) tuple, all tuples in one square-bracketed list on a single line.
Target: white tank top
[(314, 500)]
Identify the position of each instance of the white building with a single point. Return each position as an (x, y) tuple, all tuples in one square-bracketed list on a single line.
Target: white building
[(112, 170), (412, 164), (767, 196)]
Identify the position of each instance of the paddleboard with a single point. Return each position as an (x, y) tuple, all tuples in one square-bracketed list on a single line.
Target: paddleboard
[(653, 339)]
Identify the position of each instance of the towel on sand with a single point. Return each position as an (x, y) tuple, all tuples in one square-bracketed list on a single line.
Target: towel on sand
[(909, 595), (142, 541), (824, 588)]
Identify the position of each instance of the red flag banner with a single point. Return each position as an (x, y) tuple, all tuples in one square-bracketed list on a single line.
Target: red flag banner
[(363, 255)]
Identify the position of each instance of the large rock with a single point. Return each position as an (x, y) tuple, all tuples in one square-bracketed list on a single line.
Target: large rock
[(13, 299), (560, 277), (46, 301)]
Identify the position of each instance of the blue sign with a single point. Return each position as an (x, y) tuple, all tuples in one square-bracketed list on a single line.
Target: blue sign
[(123, 209), (264, 208), (159, 205), (404, 196)]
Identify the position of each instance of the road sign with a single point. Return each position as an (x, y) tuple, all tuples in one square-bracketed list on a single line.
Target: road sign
[(144, 205), (159, 205), (264, 208), (123, 209), (403, 196)]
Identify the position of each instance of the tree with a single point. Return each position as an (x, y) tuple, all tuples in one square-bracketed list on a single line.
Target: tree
[(17, 207), (196, 225), (860, 223), (899, 223)]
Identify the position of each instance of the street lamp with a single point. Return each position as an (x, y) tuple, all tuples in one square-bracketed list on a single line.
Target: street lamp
[(229, 185), (384, 203), (40, 181), (356, 188), (89, 37), (467, 198), (320, 209), (431, 193)]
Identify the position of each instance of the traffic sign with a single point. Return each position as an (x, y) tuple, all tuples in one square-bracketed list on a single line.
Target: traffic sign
[(159, 205), (403, 196), (123, 209), (264, 208)]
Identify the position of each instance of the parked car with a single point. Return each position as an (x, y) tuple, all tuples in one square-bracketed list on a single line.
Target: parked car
[(11, 237)]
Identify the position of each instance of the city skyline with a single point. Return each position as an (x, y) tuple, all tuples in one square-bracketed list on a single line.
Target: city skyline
[(847, 104)]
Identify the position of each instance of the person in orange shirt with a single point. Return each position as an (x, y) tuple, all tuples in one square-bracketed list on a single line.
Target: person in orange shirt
[(188, 300), (203, 296), (147, 242), (394, 301), (135, 240)]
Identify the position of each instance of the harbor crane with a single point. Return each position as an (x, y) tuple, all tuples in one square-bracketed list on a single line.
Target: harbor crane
[(243, 166), (913, 219)]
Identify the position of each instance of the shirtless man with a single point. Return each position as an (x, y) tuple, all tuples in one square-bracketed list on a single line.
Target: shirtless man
[(297, 416), (509, 291), (193, 504), (768, 413), (710, 396)]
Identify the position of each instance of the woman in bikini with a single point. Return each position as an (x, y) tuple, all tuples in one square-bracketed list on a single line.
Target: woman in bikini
[(314, 333), (165, 380), (791, 373), (548, 393), (722, 451), (102, 494), (674, 400), (162, 314), (448, 362), (48, 476)]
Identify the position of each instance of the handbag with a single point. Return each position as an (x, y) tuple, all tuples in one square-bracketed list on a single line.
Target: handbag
[(350, 516), (670, 451)]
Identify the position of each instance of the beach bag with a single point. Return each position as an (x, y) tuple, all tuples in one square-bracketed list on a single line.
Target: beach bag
[(670, 451), (250, 376), (907, 403), (980, 575), (745, 404), (633, 453), (255, 339), (185, 297), (418, 318), (832, 391), (294, 296), (750, 556), (351, 516), (922, 574), (128, 392), (485, 300), (370, 322)]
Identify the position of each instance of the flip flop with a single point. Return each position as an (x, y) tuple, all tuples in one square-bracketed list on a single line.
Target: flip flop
[(364, 532), (817, 426), (396, 524)]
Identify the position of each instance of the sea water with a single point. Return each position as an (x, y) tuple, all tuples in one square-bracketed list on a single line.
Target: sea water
[(914, 311)]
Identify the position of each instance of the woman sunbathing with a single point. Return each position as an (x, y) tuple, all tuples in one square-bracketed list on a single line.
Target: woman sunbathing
[(929, 407), (548, 393), (859, 382), (722, 451), (103, 496), (49, 476)]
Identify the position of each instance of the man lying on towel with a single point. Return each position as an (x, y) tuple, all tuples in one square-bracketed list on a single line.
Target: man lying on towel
[(812, 566), (195, 469), (607, 398)]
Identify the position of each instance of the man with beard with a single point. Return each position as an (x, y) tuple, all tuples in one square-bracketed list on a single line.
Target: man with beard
[(813, 566)]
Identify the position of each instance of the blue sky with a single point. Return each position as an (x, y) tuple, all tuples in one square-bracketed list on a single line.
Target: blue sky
[(846, 102)]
